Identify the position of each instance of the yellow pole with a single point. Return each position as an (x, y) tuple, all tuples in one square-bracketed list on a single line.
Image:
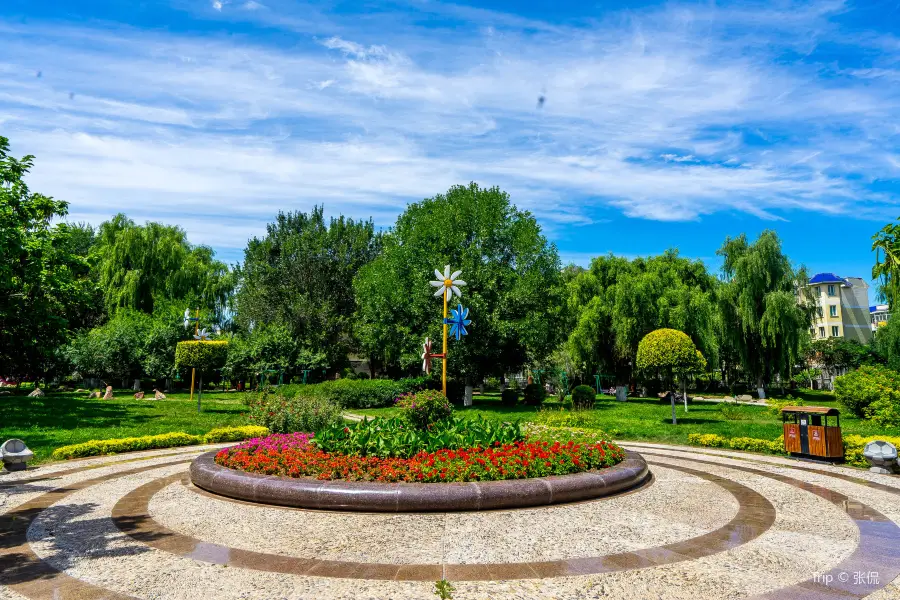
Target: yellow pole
[(444, 378), (194, 369)]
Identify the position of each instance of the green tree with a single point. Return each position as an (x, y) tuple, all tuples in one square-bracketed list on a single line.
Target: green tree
[(764, 313), (139, 266), (131, 345), (617, 302), (300, 276), (43, 281), (886, 245), (887, 343), (271, 348), (669, 352), (513, 285), (836, 355)]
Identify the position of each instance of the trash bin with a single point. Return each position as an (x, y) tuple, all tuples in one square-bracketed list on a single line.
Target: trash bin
[(808, 434)]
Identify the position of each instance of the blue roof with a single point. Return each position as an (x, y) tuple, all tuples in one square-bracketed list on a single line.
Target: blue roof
[(827, 278), (873, 308)]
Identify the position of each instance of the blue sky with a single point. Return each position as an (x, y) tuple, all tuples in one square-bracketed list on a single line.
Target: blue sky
[(663, 124)]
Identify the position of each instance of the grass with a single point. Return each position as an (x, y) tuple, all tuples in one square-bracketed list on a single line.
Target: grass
[(60, 418), (646, 419)]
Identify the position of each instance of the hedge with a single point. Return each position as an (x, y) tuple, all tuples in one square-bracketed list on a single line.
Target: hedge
[(357, 393), (155, 442), (853, 445), (205, 356), (235, 434)]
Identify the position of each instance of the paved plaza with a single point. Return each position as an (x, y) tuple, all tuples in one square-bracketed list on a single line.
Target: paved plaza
[(710, 525)]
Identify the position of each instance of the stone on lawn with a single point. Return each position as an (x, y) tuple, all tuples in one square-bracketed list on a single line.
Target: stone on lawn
[(158, 395), (108, 395), (36, 393), (745, 398), (15, 455), (139, 396)]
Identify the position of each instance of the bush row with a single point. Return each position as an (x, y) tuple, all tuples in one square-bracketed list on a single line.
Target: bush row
[(153, 442), (853, 445), (737, 443), (356, 393)]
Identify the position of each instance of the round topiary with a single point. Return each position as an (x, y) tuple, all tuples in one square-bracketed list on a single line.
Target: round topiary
[(669, 349), (509, 397), (534, 394), (583, 396)]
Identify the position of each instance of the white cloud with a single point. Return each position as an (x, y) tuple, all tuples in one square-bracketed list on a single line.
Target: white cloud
[(669, 114)]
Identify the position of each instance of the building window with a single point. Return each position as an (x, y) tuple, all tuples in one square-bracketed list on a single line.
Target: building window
[(818, 291), (832, 310), (819, 310), (835, 331), (821, 332), (831, 290)]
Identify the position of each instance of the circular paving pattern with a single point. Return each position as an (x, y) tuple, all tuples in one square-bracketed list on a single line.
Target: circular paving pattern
[(711, 524)]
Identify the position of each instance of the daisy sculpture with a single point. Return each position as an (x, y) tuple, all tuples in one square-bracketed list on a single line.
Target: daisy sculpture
[(448, 285)]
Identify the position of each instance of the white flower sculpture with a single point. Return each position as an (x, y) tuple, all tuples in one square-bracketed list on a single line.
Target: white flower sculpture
[(202, 335), (448, 283)]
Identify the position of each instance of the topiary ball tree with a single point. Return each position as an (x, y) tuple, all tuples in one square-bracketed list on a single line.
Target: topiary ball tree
[(583, 396), (535, 394), (205, 356), (669, 351)]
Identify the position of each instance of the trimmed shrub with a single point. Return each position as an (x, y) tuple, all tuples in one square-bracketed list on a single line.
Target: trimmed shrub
[(583, 396), (509, 397), (738, 443), (114, 446), (205, 356), (669, 349), (424, 408), (284, 414), (872, 391), (235, 434), (534, 394)]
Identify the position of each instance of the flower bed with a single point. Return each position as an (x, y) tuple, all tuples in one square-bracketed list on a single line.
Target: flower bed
[(294, 456)]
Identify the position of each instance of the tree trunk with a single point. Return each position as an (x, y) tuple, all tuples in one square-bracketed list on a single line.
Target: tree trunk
[(200, 394), (137, 385), (672, 396), (760, 388), (502, 383), (467, 400), (684, 387)]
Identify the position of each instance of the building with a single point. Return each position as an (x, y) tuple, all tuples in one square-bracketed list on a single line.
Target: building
[(879, 315), (842, 308)]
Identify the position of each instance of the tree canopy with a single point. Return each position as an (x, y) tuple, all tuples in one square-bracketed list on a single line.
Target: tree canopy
[(141, 265), (43, 281), (300, 276), (616, 302), (765, 310), (513, 285)]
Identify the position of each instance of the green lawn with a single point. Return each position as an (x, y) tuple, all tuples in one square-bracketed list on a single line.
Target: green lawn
[(650, 420), (59, 419)]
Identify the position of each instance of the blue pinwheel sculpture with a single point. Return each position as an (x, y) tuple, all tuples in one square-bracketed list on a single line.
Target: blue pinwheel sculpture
[(458, 321)]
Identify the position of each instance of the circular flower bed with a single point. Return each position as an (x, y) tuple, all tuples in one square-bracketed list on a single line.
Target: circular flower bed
[(294, 455)]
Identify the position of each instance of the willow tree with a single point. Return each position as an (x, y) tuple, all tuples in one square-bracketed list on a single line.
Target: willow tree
[(139, 266), (765, 306), (616, 302)]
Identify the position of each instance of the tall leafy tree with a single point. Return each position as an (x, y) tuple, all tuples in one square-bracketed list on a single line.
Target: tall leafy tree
[(765, 309), (139, 266), (300, 276), (617, 302), (886, 245), (513, 285), (43, 281)]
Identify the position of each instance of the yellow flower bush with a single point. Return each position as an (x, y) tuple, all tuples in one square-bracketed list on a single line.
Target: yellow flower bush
[(155, 442)]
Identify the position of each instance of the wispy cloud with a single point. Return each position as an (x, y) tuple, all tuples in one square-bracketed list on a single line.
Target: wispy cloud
[(669, 114)]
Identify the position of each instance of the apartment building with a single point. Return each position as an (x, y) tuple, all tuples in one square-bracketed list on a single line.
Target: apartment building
[(842, 308), (879, 314)]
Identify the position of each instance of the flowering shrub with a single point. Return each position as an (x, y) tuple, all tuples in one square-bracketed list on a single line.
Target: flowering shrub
[(283, 414), (424, 408), (521, 460), (395, 437)]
